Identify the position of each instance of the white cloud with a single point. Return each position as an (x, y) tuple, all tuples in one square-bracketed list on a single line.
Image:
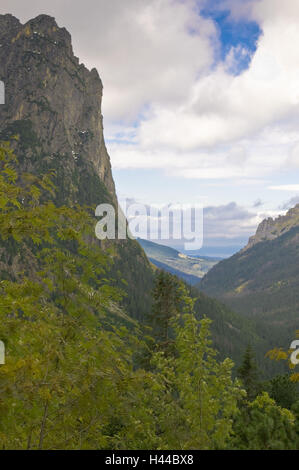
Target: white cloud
[(166, 105), (223, 108), (145, 52), (225, 222), (285, 187), (290, 203), (293, 157), (232, 126), (245, 159)]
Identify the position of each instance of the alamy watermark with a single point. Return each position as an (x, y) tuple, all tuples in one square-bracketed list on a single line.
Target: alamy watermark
[(295, 354), (2, 93), (182, 222)]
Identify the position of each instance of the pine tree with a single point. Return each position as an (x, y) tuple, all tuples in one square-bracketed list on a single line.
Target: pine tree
[(248, 373), (198, 397), (284, 391), (167, 297)]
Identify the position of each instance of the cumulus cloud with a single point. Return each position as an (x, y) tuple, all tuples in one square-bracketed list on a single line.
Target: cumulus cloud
[(285, 187), (168, 104), (225, 222), (258, 203), (290, 203), (171, 104), (226, 125), (224, 109), (244, 160), (293, 156), (229, 221), (232, 125)]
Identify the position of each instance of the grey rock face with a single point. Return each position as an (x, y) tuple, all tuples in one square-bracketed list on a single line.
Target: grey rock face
[(53, 103), (270, 228), (52, 100)]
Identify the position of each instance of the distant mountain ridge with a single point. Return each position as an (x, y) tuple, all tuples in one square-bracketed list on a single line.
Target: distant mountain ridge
[(188, 268), (270, 228), (262, 280)]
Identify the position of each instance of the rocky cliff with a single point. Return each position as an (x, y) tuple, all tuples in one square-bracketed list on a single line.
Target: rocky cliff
[(269, 229), (54, 104)]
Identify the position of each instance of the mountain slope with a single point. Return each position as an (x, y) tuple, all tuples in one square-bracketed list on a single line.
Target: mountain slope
[(271, 228), (262, 280), (186, 267), (53, 107), (231, 332)]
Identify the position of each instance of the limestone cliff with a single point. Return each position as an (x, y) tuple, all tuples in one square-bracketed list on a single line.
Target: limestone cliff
[(269, 229), (54, 103)]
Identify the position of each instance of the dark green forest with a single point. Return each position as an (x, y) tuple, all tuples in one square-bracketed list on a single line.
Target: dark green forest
[(261, 284)]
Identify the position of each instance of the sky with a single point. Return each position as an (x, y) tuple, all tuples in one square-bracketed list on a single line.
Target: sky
[(201, 101)]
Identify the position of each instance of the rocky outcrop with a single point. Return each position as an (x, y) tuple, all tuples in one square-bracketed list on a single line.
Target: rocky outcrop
[(270, 228), (54, 103)]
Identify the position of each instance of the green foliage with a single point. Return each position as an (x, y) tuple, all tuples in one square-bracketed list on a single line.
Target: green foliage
[(206, 396), (248, 373), (263, 425), (230, 331), (70, 380), (73, 377), (168, 295), (60, 360), (132, 273), (23, 131), (278, 354), (284, 391)]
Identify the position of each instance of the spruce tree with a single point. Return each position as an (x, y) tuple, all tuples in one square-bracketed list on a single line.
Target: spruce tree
[(167, 299), (248, 373)]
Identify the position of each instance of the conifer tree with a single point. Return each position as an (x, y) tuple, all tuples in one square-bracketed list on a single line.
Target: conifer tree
[(167, 300), (248, 373)]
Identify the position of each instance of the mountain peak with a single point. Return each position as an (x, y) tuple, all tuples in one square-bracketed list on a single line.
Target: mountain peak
[(52, 102), (270, 228), (45, 25)]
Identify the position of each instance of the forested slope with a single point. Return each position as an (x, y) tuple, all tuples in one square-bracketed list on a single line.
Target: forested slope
[(262, 282)]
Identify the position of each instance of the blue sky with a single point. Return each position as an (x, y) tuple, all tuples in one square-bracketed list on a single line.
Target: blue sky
[(240, 32), (200, 102)]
